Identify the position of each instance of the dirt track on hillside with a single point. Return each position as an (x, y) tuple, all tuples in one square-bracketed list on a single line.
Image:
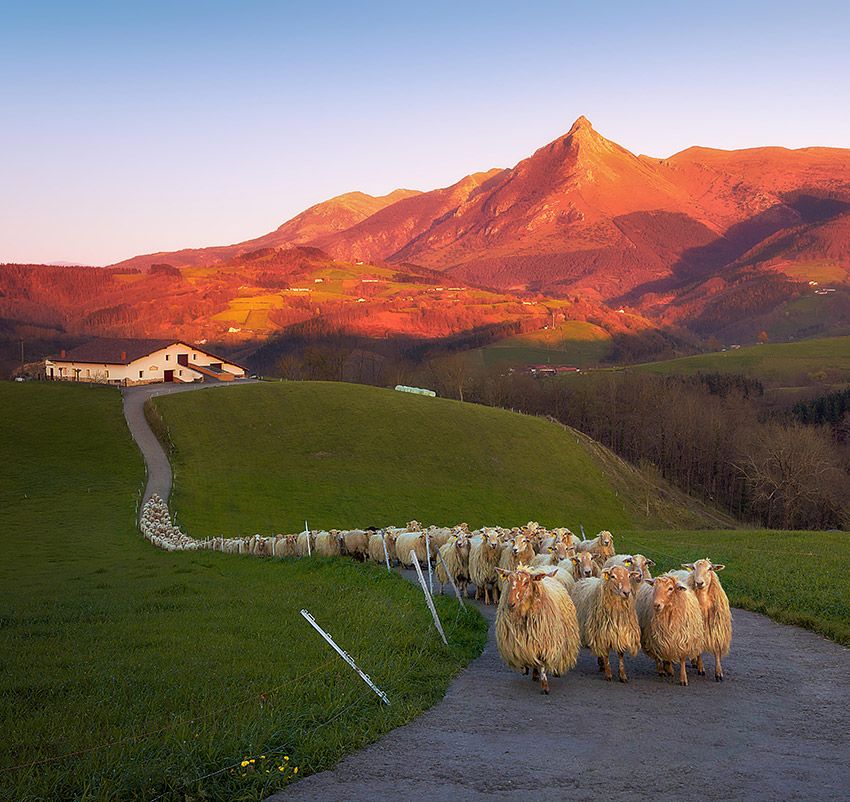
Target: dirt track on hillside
[(778, 728)]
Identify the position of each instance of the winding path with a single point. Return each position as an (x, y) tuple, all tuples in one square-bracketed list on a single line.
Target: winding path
[(778, 728)]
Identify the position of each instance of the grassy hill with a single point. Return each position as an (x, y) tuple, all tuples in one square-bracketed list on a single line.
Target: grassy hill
[(266, 457), (802, 363), (573, 342), (152, 665)]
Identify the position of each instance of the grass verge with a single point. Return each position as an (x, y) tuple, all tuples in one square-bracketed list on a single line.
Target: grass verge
[(159, 673)]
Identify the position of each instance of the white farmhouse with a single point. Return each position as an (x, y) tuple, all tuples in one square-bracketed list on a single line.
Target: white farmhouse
[(126, 362)]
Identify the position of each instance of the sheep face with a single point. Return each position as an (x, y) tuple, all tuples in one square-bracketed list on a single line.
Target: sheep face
[(638, 562), (619, 580), (520, 587), (492, 539), (562, 551), (584, 564), (663, 590), (703, 571), (520, 543), (606, 539)]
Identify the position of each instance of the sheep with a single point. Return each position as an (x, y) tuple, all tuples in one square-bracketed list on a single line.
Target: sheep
[(601, 547), (329, 544), (519, 550), (455, 557), (356, 544), (302, 549), (607, 620), (286, 546), (376, 547), (584, 565), (438, 536), (407, 542), (635, 562), (561, 535), (484, 554), (553, 555), (702, 579), (536, 624), (565, 573), (671, 628)]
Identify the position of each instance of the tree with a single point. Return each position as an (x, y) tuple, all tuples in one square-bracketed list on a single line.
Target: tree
[(763, 338)]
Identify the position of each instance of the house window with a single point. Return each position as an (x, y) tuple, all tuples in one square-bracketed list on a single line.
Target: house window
[(166, 357), (141, 374), (107, 374), (179, 372), (195, 357)]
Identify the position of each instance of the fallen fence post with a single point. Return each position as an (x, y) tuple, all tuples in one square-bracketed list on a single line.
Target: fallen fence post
[(428, 598), (428, 560), (448, 574), (386, 553), (345, 656)]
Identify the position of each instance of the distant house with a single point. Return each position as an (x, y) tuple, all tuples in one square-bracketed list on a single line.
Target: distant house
[(126, 362), (550, 370)]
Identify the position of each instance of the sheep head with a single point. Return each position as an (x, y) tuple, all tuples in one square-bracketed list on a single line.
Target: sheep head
[(618, 580), (664, 589), (521, 583), (585, 565), (703, 571)]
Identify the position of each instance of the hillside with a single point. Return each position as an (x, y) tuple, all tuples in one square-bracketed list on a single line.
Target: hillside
[(130, 673), (343, 455), (806, 363)]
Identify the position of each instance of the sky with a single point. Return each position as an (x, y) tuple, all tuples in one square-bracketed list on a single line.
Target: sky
[(130, 128)]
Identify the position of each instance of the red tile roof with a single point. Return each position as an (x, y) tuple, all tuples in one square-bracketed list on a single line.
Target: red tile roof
[(123, 351)]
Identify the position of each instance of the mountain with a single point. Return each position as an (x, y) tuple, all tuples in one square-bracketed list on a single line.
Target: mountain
[(584, 216)]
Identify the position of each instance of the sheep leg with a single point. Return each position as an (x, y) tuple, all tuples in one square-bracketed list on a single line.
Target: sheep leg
[(535, 674), (544, 681), (600, 664), (699, 666), (525, 671), (624, 677), (659, 667), (718, 668), (606, 663), (683, 673), (668, 668)]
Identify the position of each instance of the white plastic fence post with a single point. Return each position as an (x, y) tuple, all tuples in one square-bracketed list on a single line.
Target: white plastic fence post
[(307, 531), (448, 574), (428, 560), (345, 656), (428, 598), (583, 537), (386, 553)]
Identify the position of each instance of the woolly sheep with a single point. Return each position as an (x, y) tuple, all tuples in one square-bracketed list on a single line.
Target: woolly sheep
[(605, 607), (536, 625), (356, 544), (329, 544), (601, 547), (286, 546), (519, 551), (407, 542), (671, 628), (553, 555), (376, 547), (454, 556), (301, 547), (701, 577), (485, 552)]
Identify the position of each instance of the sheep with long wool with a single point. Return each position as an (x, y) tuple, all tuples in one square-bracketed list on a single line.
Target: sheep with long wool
[(485, 551), (453, 562), (536, 624), (671, 628), (605, 607)]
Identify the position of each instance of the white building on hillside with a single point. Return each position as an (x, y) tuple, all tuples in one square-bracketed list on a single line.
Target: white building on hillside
[(126, 362)]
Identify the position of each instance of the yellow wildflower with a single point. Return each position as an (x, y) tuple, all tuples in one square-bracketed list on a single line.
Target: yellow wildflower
[(286, 757), (244, 763), (295, 770)]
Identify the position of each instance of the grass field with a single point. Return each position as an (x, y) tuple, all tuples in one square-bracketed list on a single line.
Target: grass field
[(573, 342), (156, 662), (800, 578), (266, 457), (787, 364)]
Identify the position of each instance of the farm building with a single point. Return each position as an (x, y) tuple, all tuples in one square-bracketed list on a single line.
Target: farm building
[(126, 362)]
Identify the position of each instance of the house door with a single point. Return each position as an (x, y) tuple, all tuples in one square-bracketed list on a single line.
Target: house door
[(169, 375), (183, 359)]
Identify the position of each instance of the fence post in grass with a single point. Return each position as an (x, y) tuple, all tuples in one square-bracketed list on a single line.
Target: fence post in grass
[(345, 656), (428, 598), (428, 560), (448, 574), (386, 553), (307, 532)]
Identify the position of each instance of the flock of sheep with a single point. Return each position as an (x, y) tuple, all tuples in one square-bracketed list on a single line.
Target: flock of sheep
[(555, 593)]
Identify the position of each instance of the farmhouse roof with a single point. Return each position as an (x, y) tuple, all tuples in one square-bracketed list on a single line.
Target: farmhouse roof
[(124, 350)]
